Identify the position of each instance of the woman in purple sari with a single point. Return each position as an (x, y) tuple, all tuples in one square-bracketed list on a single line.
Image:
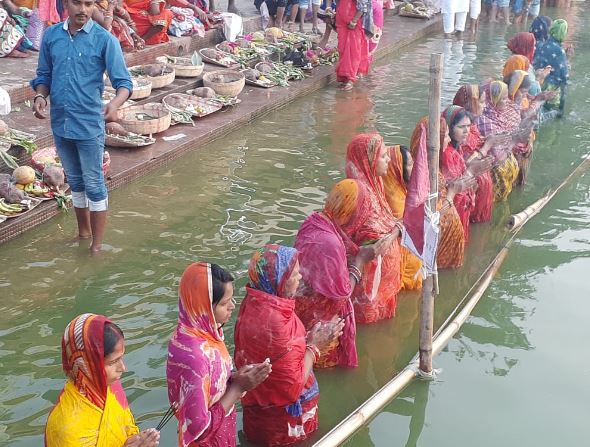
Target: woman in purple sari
[(199, 367)]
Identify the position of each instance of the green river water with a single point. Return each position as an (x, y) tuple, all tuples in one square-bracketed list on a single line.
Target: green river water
[(516, 372)]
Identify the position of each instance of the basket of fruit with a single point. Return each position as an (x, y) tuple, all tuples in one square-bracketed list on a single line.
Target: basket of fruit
[(184, 67), (193, 105), (145, 119), (225, 82), (255, 77), (217, 57), (160, 75)]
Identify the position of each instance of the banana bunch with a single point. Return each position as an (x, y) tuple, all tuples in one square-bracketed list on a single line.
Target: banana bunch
[(9, 209), (35, 189)]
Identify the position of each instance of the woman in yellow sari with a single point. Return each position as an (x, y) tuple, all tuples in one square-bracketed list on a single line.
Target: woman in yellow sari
[(395, 185), (92, 409)]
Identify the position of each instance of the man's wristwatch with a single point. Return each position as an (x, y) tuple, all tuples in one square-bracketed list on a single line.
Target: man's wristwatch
[(39, 95)]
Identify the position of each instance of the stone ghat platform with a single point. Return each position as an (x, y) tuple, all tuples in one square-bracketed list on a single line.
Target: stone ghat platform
[(129, 164)]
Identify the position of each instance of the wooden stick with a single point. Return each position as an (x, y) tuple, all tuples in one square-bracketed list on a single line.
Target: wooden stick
[(428, 287)]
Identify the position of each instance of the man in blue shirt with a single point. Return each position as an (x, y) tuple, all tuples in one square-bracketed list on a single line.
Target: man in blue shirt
[(72, 60)]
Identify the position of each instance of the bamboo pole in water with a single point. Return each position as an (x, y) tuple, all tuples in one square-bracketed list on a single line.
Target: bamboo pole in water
[(428, 292), (517, 220)]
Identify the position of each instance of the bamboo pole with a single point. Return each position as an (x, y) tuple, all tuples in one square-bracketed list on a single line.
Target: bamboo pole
[(517, 220), (428, 287), (381, 398)]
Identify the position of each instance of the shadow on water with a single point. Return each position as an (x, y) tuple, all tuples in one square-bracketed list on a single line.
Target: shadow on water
[(257, 185)]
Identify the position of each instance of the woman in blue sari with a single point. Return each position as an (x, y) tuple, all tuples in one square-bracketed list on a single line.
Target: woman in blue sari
[(540, 29), (552, 54)]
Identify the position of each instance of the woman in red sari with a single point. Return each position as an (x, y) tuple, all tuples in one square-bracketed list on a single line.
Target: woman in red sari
[(375, 298), (329, 278), (284, 408), (354, 22), (452, 162), (451, 242), (472, 99)]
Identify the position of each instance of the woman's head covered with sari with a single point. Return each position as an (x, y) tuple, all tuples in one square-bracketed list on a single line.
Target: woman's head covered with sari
[(271, 267), (517, 80), (522, 43), (515, 62), (196, 313), (469, 97), (92, 409), (362, 156), (540, 28), (83, 356), (453, 115), (558, 30), (199, 365), (341, 201), (497, 92)]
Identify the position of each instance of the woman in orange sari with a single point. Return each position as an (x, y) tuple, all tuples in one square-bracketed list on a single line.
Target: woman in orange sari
[(451, 242), (395, 185), (92, 409), (152, 19), (375, 297)]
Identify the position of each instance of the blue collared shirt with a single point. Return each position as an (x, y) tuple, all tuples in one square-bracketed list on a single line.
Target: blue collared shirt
[(72, 67)]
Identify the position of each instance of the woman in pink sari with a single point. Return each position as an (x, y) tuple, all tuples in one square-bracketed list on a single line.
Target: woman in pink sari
[(354, 22), (378, 21), (328, 277), (199, 367)]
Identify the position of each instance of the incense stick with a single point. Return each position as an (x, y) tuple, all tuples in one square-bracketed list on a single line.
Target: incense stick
[(167, 416)]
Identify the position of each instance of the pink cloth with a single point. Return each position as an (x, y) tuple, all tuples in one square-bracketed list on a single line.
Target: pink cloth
[(353, 45), (324, 267), (48, 11), (378, 18), (418, 191), (199, 366)]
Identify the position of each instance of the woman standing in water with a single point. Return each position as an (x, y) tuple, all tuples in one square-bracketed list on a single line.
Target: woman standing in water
[(451, 243), (395, 186), (284, 408), (199, 367), (375, 297), (328, 277), (501, 117), (92, 408), (553, 55)]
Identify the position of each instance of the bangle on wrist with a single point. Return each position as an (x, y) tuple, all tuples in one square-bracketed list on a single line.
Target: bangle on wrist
[(314, 351), (39, 95), (355, 272)]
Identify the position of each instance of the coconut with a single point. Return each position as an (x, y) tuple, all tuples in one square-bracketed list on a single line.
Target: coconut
[(24, 175), (204, 92)]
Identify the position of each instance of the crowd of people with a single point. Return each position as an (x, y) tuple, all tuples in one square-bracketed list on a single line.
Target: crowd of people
[(347, 267), (135, 23)]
